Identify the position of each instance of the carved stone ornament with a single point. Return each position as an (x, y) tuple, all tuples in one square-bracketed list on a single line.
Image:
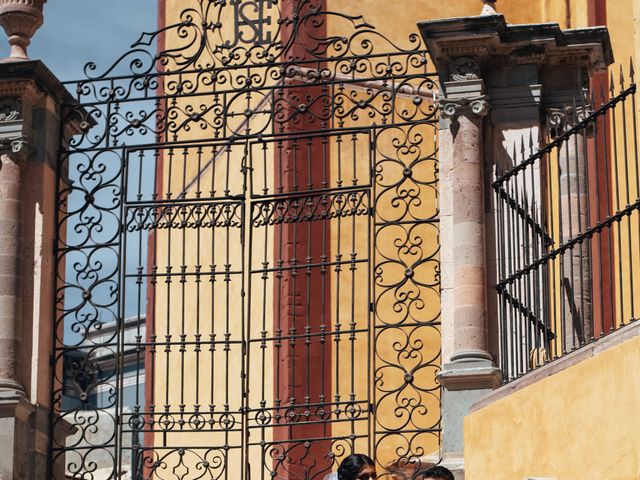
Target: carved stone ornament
[(10, 110), (20, 20), (465, 68), (561, 119), (19, 146), (451, 108)]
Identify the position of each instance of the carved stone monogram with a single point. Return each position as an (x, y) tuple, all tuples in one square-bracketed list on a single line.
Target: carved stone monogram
[(251, 22)]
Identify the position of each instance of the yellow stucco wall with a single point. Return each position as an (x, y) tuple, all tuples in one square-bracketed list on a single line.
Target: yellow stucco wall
[(405, 14), (196, 303), (581, 423)]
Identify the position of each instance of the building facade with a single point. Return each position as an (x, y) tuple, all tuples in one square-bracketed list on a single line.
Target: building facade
[(287, 231)]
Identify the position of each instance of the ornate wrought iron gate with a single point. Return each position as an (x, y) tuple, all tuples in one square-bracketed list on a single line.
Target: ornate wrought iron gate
[(248, 272)]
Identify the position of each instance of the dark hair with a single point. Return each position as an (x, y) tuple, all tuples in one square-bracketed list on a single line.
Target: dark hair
[(351, 466), (439, 473)]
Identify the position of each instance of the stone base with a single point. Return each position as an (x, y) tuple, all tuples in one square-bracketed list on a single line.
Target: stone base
[(472, 370), (469, 377), (23, 436), (456, 404)]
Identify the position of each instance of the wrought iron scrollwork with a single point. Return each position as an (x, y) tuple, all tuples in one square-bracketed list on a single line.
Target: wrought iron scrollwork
[(247, 264)]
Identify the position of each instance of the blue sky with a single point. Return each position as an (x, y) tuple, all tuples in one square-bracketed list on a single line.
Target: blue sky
[(78, 31)]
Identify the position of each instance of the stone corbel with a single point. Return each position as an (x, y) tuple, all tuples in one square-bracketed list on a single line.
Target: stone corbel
[(452, 108)]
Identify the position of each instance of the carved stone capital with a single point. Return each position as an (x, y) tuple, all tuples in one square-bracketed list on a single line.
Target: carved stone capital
[(452, 108), (17, 147), (561, 119)]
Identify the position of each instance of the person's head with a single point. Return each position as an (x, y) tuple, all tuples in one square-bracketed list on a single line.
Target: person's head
[(357, 467), (437, 473)]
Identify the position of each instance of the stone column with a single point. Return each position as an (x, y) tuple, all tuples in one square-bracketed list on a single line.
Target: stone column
[(13, 152), (468, 369), (30, 104), (464, 106), (573, 192), (519, 69)]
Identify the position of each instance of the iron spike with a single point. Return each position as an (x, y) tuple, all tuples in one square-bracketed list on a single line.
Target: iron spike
[(533, 207), (632, 72), (611, 84)]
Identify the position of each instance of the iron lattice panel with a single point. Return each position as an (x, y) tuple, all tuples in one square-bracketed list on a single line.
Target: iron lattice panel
[(248, 271)]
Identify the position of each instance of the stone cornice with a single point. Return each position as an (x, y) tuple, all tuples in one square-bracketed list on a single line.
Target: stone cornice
[(14, 73), (489, 38), (26, 90), (30, 80)]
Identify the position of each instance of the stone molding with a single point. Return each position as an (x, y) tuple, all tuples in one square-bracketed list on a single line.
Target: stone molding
[(482, 378), (495, 43), (520, 96), (470, 371), (26, 90), (15, 405), (563, 363), (453, 107)]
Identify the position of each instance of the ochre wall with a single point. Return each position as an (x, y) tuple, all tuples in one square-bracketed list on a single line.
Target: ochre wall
[(579, 423), (397, 22), (196, 304)]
